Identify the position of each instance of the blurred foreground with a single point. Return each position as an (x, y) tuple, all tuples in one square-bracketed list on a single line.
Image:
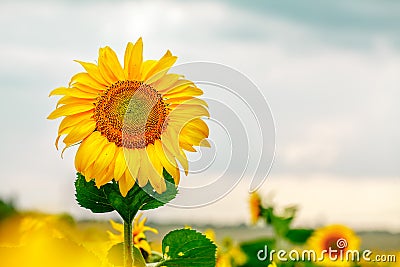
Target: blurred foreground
[(37, 239)]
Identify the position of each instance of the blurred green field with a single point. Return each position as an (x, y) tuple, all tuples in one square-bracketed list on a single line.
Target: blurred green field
[(372, 240)]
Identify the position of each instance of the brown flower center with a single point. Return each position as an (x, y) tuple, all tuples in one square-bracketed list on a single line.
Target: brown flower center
[(131, 114), (330, 243)]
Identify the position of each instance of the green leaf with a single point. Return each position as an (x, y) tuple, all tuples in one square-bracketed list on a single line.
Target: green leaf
[(91, 197), (252, 248), (108, 198), (186, 247), (281, 224), (7, 209), (299, 236)]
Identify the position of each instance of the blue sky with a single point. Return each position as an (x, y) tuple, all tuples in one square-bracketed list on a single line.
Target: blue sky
[(329, 71)]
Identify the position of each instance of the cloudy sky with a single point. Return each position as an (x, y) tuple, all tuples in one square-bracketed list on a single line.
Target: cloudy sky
[(329, 71)]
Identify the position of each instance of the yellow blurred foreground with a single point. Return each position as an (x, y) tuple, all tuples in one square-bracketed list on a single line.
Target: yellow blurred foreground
[(34, 239)]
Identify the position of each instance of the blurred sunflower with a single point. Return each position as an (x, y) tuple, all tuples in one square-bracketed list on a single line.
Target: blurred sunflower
[(35, 239), (131, 122), (336, 239), (229, 253), (255, 207), (138, 232)]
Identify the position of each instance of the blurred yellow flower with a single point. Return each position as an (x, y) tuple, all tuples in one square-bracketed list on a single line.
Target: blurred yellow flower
[(38, 240), (273, 264), (229, 253), (131, 122), (334, 240), (255, 207), (139, 237), (385, 259)]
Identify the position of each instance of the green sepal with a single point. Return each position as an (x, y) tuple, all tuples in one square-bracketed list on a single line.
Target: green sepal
[(108, 198), (186, 247)]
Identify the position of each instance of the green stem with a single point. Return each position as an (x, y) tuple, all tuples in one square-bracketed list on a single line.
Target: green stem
[(128, 245)]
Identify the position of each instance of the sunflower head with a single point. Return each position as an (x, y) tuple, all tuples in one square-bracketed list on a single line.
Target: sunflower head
[(335, 238), (131, 122), (255, 207)]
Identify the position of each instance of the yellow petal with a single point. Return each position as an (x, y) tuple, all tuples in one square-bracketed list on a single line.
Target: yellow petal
[(67, 110), (80, 132), (156, 181), (89, 150), (90, 90), (126, 183), (180, 85), (166, 82), (175, 102), (169, 163), (88, 173), (133, 60), (172, 145), (146, 67), (132, 158), (74, 119), (198, 125), (68, 122), (171, 140), (85, 79), (104, 158), (156, 165), (93, 71), (191, 135), (189, 112), (65, 100), (117, 226), (205, 143), (185, 141), (187, 146), (160, 68), (106, 176), (143, 173), (183, 160), (144, 245), (120, 164), (109, 66), (72, 91), (83, 150), (183, 91)]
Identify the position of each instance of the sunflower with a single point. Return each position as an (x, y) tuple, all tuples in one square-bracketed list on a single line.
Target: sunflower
[(131, 122), (337, 239), (229, 253), (139, 236), (38, 239), (255, 207)]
